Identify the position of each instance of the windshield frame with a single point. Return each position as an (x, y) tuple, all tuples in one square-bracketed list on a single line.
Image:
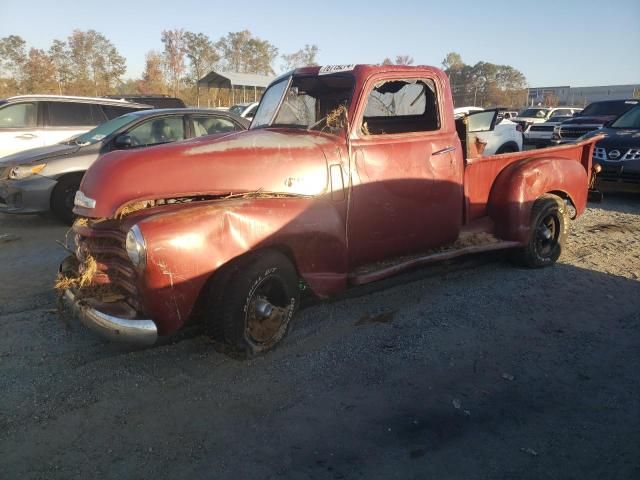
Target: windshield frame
[(288, 79)]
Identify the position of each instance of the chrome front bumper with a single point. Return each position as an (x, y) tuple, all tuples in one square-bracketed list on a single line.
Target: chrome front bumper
[(133, 331)]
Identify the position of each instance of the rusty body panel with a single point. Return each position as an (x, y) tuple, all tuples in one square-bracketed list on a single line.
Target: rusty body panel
[(332, 202)]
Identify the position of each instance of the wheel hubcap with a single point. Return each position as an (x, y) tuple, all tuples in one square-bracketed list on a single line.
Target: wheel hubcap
[(547, 235), (267, 312)]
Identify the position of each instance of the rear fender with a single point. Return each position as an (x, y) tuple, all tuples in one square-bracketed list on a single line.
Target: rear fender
[(186, 246), (520, 184)]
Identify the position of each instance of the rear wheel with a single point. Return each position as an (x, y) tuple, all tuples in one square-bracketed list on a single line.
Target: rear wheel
[(63, 195), (547, 233), (260, 296)]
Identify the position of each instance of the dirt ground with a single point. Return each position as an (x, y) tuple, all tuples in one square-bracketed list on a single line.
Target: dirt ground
[(470, 370)]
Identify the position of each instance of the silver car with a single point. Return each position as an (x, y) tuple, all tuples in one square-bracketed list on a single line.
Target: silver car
[(47, 178)]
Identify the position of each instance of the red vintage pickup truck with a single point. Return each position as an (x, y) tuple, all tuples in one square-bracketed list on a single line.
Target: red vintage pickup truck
[(347, 175)]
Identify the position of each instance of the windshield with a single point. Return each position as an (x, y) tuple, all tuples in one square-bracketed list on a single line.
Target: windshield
[(303, 101), (237, 109), (104, 130), (535, 113), (608, 108), (631, 119)]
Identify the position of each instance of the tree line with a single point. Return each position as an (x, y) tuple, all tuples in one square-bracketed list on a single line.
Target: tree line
[(484, 84), (88, 63)]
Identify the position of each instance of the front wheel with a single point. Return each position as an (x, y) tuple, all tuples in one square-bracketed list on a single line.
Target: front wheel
[(63, 196), (261, 294), (547, 234)]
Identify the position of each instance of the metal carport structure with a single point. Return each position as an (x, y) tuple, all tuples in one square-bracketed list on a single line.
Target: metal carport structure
[(235, 81)]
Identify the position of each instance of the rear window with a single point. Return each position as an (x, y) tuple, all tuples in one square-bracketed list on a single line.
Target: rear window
[(69, 114), (18, 115)]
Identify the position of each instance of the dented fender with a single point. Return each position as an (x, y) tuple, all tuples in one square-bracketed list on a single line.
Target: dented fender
[(187, 245), (520, 184)]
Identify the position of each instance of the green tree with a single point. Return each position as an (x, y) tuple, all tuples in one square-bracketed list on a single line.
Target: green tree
[(39, 73), (174, 56), (95, 64), (203, 57), (304, 57), (59, 55), (13, 56), (242, 52), (152, 80)]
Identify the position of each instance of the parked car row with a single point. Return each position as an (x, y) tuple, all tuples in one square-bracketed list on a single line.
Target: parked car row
[(47, 178), (29, 121)]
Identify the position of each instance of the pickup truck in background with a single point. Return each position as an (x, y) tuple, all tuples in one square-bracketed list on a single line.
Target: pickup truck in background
[(540, 134), (347, 175), (596, 115)]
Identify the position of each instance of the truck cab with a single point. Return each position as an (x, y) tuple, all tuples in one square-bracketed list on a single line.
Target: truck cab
[(348, 174)]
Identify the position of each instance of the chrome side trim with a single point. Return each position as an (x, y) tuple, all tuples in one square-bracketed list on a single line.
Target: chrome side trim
[(444, 150), (139, 332)]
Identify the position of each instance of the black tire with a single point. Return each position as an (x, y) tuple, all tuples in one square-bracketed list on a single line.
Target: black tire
[(265, 279), (507, 148), (63, 196), (548, 234)]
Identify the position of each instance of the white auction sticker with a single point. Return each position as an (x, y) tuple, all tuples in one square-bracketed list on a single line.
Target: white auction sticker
[(335, 68)]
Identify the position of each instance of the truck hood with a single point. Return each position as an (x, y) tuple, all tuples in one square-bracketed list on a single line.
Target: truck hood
[(620, 138), (592, 120), (34, 155), (284, 161)]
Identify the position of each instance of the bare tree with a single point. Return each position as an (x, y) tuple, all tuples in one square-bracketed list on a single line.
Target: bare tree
[(304, 57), (174, 55), (399, 60)]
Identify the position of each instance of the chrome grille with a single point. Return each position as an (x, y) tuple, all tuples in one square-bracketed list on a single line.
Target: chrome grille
[(107, 247), (541, 128), (623, 154), (575, 132)]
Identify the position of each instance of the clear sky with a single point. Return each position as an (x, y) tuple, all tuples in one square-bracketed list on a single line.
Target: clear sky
[(561, 42)]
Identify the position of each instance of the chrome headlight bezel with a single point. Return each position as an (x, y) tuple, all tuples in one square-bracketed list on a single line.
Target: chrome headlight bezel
[(136, 247), (81, 200)]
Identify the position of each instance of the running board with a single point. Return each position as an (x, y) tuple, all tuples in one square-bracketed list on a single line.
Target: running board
[(378, 271)]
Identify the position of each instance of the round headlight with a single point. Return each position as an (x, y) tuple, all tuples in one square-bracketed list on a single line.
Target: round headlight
[(136, 248)]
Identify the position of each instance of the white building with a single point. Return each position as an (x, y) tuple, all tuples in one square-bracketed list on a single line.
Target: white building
[(581, 96)]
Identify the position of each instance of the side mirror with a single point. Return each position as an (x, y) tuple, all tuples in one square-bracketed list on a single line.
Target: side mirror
[(123, 141)]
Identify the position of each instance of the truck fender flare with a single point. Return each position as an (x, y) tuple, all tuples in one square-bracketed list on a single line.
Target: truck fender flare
[(520, 184)]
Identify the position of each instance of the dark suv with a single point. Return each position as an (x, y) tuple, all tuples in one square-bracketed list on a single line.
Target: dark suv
[(618, 153), (593, 117)]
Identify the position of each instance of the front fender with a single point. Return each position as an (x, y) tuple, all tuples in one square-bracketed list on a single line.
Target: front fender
[(187, 245), (520, 184)]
